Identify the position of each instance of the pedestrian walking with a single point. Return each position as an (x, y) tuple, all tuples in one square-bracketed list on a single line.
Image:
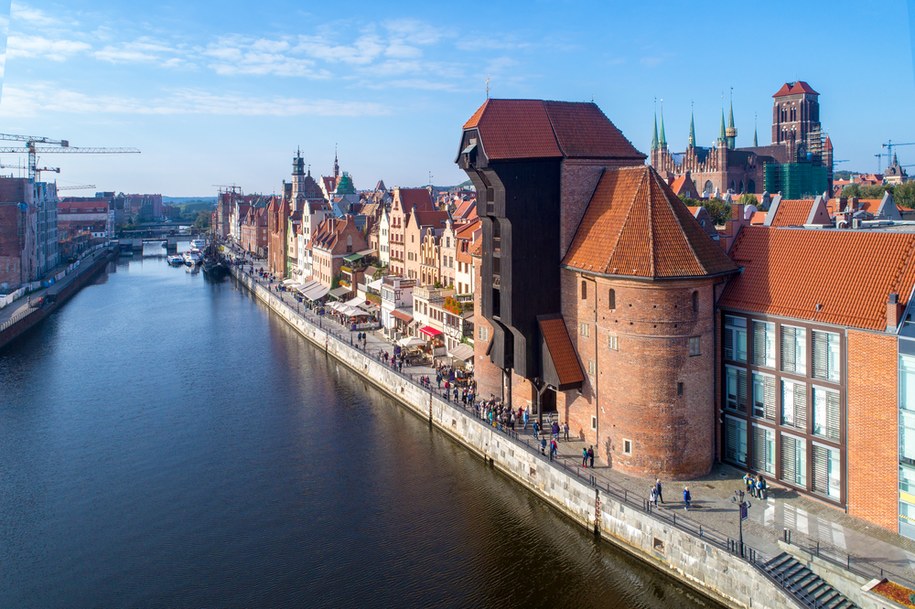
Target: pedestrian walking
[(554, 448), (527, 416), (659, 489), (542, 446), (565, 431), (591, 457), (653, 496), (760, 487), (687, 498), (554, 429), (750, 481), (536, 430), (584, 457)]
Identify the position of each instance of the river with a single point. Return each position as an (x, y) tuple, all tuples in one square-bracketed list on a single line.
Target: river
[(167, 442)]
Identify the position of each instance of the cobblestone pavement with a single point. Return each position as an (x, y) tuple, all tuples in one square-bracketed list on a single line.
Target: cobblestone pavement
[(810, 522)]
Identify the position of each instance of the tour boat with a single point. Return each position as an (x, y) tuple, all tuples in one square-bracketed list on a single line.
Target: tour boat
[(176, 260)]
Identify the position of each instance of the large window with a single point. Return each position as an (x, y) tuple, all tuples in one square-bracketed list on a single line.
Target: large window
[(794, 460), (907, 435), (907, 501), (826, 413), (764, 396), (736, 388), (827, 475), (764, 344), (735, 441), (794, 404), (825, 355), (735, 338), (763, 449), (794, 350)]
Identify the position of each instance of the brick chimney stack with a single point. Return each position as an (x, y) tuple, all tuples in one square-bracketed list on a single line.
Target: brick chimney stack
[(894, 311)]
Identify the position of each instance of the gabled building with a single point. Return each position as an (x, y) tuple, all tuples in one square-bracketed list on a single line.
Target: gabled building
[(253, 231), (421, 224), (404, 201), (277, 225), (331, 243)]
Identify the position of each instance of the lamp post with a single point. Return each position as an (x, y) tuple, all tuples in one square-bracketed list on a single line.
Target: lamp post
[(539, 387), (744, 507)]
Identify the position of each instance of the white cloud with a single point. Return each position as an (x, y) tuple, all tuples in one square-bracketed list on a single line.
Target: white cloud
[(32, 16), (40, 98), (39, 46)]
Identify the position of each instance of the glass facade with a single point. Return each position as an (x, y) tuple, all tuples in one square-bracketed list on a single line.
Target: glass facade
[(907, 438)]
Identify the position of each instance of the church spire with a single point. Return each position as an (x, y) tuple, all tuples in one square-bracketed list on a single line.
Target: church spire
[(662, 142), (731, 131), (722, 138), (755, 140), (336, 164), (654, 136), (692, 127)]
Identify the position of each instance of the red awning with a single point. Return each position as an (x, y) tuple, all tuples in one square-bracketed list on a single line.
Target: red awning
[(401, 315), (429, 331)]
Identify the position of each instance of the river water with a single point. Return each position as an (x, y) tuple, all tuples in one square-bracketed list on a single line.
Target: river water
[(167, 442)]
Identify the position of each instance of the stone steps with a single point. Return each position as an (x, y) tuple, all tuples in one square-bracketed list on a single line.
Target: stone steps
[(807, 587)]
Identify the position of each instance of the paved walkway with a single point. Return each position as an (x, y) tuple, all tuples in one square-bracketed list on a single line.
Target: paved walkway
[(810, 522)]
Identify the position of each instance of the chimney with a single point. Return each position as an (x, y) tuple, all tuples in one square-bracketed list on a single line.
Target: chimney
[(894, 311)]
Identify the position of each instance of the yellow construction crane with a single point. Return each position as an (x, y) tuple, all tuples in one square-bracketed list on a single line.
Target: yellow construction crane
[(54, 147)]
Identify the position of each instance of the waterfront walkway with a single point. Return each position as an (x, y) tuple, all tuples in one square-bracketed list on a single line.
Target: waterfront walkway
[(866, 549)]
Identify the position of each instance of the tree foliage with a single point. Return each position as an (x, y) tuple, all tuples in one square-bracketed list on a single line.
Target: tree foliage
[(904, 195), (202, 221), (748, 199), (718, 209), (866, 191)]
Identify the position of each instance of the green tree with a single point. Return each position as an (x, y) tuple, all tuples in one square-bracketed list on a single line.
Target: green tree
[(904, 195), (202, 221), (747, 199)]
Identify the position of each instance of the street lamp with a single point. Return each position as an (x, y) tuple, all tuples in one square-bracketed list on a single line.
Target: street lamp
[(744, 506)]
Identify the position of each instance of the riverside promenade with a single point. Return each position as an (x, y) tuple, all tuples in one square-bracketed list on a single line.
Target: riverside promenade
[(838, 541)]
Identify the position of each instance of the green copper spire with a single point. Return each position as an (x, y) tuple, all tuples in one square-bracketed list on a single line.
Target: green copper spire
[(731, 115), (654, 137), (722, 138), (663, 141), (692, 129)]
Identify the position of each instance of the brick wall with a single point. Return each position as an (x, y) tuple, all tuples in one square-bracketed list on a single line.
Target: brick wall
[(633, 391), (873, 428), (486, 374)]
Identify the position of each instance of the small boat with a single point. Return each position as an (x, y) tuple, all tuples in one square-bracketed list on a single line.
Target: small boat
[(192, 258), (198, 244), (176, 260)]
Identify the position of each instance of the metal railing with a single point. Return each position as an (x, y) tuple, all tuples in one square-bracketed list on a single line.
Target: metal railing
[(863, 567)]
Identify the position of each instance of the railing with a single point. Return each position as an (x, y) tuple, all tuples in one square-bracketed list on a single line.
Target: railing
[(863, 567), (17, 317)]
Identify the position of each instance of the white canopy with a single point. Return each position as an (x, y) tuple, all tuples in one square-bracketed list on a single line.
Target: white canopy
[(462, 352), (411, 341), (376, 285)]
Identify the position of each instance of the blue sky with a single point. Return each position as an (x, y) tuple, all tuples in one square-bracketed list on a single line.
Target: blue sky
[(223, 93)]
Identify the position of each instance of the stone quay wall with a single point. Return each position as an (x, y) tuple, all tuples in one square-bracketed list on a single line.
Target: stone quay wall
[(703, 565)]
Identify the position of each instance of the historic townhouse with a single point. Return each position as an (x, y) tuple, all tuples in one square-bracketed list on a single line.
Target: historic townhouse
[(404, 201), (421, 223), (464, 237), (331, 243)]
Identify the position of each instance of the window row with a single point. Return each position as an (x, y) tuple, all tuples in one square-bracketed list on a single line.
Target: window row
[(793, 347), (824, 461), (611, 297), (792, 411)]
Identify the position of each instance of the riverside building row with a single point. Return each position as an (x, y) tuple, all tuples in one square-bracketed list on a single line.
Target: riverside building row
[(782, 343)]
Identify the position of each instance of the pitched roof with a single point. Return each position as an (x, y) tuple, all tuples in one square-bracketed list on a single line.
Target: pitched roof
[(466, 210), (795, 88), (430, 218), (414, 197), (465, 231), (635, 226), (785, 273), (790, 212), (758, 218), (532, 128), (560, 351)]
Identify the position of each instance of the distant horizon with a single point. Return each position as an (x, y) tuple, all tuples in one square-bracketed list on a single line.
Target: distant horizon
[(228, 96)]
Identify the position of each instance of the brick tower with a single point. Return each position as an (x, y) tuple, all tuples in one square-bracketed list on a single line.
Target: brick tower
[(638, 292)]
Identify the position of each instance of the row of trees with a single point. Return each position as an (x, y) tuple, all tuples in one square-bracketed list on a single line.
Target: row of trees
[(903, 194)]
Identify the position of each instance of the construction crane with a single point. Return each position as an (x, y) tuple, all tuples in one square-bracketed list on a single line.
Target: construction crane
[(889, 145), (54, 147), (78, 187)]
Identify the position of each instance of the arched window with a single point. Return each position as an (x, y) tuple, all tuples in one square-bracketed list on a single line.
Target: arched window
[(695, 301), (612, 298), (584, 289)]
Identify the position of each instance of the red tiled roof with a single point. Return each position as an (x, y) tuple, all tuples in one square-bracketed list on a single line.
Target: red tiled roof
[(430, 218), (870, 205), (758, 218), (465, 231), (414, 197), (635, 226), (785, 274), (792, 212), (677, 185), (466, 210), (530, 128), (561, 352), (795, 88)]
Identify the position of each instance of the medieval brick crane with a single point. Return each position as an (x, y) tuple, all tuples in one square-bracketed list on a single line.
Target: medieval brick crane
[(54, 147)]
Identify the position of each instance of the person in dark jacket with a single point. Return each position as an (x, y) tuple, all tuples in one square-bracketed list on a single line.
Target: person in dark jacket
[(687, 498)]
